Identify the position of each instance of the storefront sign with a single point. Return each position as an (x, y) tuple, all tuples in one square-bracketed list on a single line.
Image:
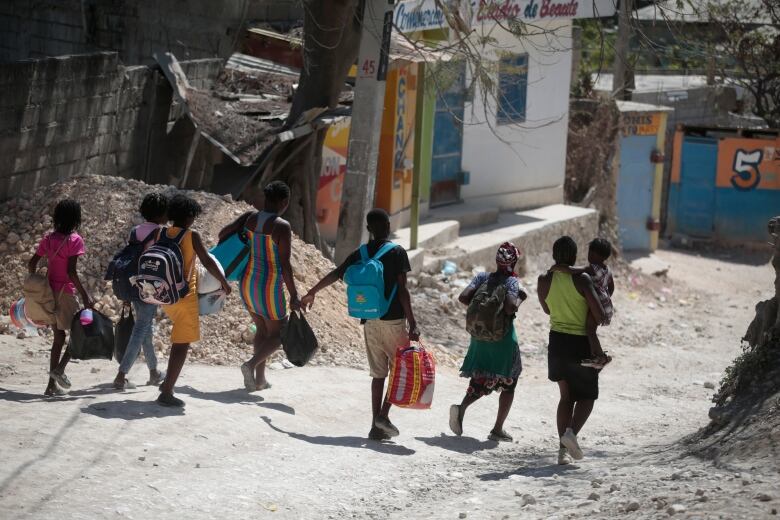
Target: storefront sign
[(749, 164), (422, 15), (640, 123)]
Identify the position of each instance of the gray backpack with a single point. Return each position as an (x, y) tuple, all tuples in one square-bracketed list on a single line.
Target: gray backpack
[(485, 316)]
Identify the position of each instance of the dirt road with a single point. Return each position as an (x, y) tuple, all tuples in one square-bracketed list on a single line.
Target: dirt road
[(298, 449)]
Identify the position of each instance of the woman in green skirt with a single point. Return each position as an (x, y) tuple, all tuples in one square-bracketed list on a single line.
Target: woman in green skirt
[(492, 365)]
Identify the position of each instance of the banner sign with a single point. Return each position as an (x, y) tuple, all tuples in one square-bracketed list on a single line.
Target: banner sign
[(422, 15)]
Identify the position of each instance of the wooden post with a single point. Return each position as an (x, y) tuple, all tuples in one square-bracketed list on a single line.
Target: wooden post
[(620, 81), (360, 179), (418, 138)]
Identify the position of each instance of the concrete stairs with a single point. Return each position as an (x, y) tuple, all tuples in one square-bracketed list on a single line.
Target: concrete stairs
[(469, 235)]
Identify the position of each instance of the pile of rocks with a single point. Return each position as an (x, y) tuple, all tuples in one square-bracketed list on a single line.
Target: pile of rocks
[(109, 207)]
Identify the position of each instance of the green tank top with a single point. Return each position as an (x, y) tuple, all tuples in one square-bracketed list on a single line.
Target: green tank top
[(568, 308)]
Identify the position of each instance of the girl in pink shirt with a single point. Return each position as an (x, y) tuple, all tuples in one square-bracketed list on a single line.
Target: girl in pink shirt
[(62, 248)]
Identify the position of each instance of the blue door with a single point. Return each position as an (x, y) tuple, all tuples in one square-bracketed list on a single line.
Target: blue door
[(696, 199), (448, 137), (635, 190)]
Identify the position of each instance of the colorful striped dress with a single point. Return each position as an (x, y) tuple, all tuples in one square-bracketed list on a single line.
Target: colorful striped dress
[(261, 285)]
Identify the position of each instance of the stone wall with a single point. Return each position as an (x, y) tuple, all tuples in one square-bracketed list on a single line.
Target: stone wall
[(190, 30), (88, 114)]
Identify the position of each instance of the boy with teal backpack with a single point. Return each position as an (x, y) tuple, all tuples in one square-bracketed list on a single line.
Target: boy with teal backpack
[(375, 275)]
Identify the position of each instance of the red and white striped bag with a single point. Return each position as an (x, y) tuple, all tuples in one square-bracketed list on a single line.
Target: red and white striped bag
[(412, 377)]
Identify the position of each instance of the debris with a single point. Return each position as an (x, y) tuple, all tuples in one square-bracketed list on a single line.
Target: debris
[(223, 341), (632, 506)]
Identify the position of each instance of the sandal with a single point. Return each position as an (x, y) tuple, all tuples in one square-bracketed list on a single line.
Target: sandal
[(597, 362)]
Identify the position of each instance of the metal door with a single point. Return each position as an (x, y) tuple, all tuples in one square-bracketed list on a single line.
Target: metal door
[(696, 199), (448, 135), (635, 190)]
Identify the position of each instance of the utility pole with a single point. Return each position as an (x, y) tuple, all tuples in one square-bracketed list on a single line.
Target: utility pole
[(620, 78), (357, 196)]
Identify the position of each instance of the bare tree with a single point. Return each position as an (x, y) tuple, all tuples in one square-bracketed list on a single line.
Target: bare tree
[(752, 50), (332, 31)]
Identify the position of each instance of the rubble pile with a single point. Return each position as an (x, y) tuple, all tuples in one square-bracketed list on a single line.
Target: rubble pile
[(109, 206)]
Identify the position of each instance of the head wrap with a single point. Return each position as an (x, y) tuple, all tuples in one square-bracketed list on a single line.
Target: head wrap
[(506, 257)]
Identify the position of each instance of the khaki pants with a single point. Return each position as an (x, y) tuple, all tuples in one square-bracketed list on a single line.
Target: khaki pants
[(65, 307), (382, 340)]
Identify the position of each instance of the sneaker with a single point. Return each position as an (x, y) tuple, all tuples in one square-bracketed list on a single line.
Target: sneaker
[(169, 400), (54, 391), (456, 421), (563, 456), (501, 436), (569, 441), (124, 384), (598, 362), (249, 377), (378, 435), (156, 378), (60, 379), (384, 424)]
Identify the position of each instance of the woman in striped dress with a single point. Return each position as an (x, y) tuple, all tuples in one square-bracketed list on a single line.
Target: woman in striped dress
[(269, 267)]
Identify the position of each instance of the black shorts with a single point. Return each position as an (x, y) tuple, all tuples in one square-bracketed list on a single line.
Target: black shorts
[(564, 355)]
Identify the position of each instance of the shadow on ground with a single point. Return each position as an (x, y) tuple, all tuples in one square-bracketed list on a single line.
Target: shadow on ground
[(131, 410), (236, 396), (26, 397), (466, 445), (345, 441)]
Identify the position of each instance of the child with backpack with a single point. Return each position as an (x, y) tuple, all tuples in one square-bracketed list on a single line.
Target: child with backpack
[(599, 250), (376, 292), (62, 247), (167, 276), (493, 360), (154, 210)]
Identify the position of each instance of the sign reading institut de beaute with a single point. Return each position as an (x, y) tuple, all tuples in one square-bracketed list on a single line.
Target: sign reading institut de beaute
[(423, 15)]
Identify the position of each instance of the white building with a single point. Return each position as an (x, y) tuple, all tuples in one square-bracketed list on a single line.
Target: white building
[(513, 136)]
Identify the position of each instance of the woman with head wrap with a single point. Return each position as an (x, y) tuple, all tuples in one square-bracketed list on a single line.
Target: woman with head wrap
[(492, 364)]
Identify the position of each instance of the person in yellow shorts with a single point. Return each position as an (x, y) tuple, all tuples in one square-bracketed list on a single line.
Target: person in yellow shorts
[(182, 211)]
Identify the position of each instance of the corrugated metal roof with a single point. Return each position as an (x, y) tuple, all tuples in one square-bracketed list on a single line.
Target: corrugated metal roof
[(697, 11)]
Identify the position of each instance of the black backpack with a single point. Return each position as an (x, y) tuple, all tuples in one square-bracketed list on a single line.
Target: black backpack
[(124, 265), (485, 316)]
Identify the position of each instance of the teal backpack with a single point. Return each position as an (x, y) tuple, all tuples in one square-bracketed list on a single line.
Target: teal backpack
[(366, 285)]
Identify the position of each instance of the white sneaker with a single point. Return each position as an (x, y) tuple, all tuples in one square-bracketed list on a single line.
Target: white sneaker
[(569, 440), (563, 456)]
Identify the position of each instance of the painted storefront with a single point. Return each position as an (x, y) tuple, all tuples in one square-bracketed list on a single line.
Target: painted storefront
[(513, 141), (640, 174), (724, 185), (395, 164)]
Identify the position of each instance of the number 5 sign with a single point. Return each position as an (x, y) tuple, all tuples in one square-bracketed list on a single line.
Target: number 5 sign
[(746, 173)]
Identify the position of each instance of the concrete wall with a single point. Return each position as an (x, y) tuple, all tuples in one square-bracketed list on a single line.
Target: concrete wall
[(87, 114), (191, 30), (525, 165)]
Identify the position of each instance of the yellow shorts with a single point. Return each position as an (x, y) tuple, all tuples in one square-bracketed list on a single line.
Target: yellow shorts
[(65, 307), (382, 340), (186, 319)]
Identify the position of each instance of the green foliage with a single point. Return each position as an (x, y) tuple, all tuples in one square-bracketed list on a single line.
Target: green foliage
[(749, 369)]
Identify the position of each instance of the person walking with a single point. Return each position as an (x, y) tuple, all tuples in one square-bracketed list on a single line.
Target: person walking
[(269, 267), (492, 365), (396, 327), (568, 299), (154, 210)]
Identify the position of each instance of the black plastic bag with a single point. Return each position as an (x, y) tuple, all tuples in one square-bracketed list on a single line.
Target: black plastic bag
[(93, 341), (298, 340), (122, 333)]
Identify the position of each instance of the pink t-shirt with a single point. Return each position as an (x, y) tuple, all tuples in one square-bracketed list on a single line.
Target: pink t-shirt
[(142, 230), (58, 264)]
